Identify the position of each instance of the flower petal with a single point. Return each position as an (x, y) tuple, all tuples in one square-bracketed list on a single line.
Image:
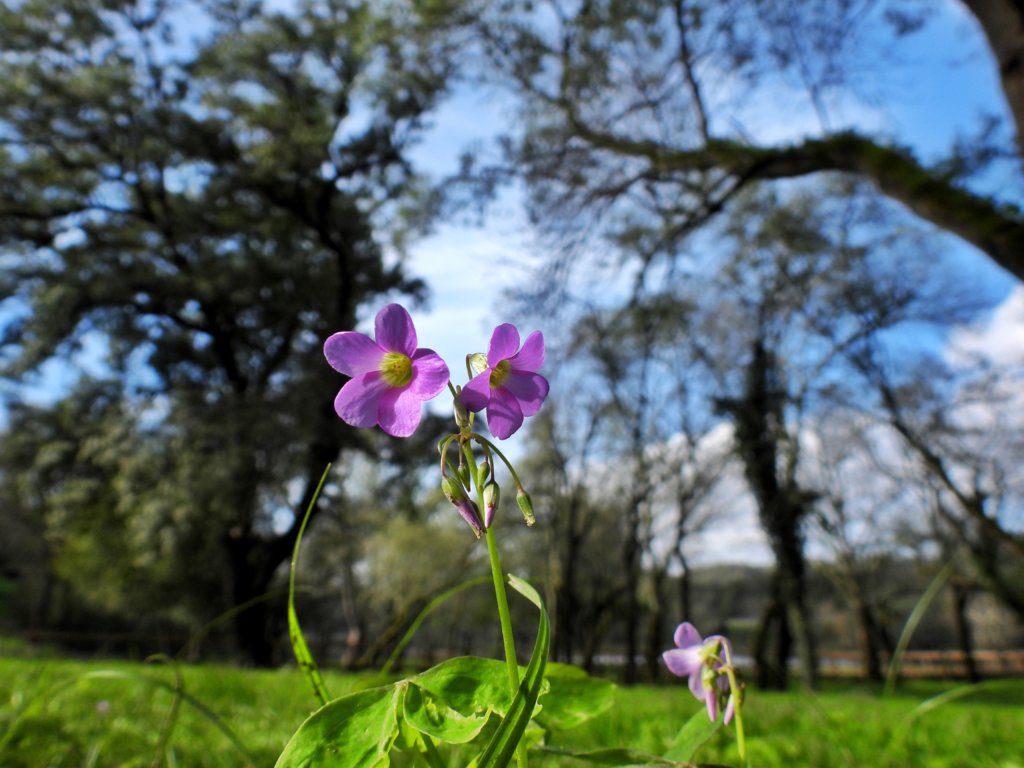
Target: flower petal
[(529, 389), (682, 661), (399, 411), (394, 330), (531, 356), (504, 344), (357, 401), (686, 635), (352, 353), (429, 374), (730, 709), (711, 700), (697, 685), (477, 393), (504, 416)]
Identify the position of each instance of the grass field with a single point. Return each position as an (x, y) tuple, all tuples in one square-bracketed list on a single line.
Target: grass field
[(56, 712)]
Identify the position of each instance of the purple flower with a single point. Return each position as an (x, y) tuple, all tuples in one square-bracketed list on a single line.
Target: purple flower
[(509, 387), (391, 377), (701, 661)]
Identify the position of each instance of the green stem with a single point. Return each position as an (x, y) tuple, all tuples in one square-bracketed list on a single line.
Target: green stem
[(430, 752), (506, 623), (503, 612), (741, 742), (488, 444), (734, 691)]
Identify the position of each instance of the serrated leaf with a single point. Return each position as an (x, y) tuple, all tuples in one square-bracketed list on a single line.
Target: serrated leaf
[(692, 736), (355, 731)]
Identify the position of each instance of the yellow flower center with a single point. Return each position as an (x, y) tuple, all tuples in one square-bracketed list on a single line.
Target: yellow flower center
[(396, 369), (500, 373)]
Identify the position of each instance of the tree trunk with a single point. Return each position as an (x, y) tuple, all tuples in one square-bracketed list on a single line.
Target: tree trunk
[(656, 637), (867, 634), (1003, 24), (248, 582), (771, 670), (964, 636), (760, 431), (631, 568), (684, 589)]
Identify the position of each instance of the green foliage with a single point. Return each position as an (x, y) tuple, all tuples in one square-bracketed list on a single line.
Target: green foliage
[(694, 734), (298, 640), (573, 697), (203, 212), (453, 701), (845, 725), (355, 731), (502, 746)]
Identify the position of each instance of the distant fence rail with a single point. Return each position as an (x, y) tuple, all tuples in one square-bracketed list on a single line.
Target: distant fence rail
[(930, 663)]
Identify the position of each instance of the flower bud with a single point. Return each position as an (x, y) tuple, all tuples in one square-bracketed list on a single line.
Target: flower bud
[(482, 472), (464, 475), (461, 414), (477, 363), (455, 493), (526, 506), (492, 494)]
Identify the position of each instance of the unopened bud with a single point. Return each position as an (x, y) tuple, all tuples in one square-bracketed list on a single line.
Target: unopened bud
[(464, 475), (482, 472), (526, 506), (492, 494), (453, 490), (455, 493), (461, 414), (477, 363)]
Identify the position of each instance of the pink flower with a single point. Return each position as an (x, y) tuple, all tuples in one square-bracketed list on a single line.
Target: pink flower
[(510, 387), (700, 660), (391, 377)]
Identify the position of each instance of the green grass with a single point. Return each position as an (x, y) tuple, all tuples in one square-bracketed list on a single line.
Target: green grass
[(50, 715)]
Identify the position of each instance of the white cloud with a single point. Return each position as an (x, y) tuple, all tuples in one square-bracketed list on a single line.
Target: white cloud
[(998, 339)]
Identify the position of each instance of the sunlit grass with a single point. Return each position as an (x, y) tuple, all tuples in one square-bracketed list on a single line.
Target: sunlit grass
[(61, 719)]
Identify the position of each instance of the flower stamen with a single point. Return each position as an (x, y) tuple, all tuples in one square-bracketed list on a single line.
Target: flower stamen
[(500, 372), (396, 369)]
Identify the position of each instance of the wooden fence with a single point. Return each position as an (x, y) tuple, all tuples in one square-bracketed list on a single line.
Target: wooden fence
[(930, 664)]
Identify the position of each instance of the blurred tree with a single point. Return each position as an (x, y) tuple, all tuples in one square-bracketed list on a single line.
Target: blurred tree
[(653, 420), (801, 281), (203, 187), (670, 109), (962, 430)]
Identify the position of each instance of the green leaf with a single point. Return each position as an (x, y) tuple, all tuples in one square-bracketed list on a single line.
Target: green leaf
[(453, 700), (301, 650), (502, 746), (355, 731), (574, 697), (620, 756), (920, 609), (692, 736)]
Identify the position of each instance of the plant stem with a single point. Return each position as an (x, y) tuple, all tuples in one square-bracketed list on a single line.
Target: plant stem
[(488, 444), (506, 622), (741, 742), (432, 755)]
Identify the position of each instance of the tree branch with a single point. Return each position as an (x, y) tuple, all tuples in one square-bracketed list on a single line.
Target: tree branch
[(995, 229)]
